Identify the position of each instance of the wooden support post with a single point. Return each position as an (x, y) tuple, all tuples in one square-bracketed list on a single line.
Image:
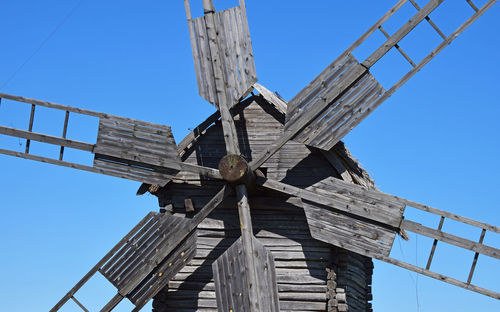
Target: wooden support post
[(247, 242), (434, 245), (65, 130), (30, 127), (476, 255)]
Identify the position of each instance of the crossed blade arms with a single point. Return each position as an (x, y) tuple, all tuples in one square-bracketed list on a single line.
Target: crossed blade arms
[(320, 116)]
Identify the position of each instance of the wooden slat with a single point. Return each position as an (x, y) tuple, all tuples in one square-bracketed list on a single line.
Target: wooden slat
[(272, 98), (434, 244), (400, 50), (451, 216), (328, 128), (375, 207), (30, 127), (65, 130), (331, 227), (440, 277), (476, 255), (79, 304), (309, 114), (163, 239), (428, 19), (228, 31), (450, 239), (232, 280), (167, 269), (46, 138)]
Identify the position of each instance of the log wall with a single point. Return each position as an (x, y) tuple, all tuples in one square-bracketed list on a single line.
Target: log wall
[(311, 275)]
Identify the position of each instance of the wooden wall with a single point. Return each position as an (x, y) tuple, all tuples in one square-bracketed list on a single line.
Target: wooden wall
[(311, 275)]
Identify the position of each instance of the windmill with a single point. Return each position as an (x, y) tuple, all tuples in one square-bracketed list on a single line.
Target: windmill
[(342, 87)]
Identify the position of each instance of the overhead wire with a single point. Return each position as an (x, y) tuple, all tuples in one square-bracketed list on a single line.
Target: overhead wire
[(42, 44)]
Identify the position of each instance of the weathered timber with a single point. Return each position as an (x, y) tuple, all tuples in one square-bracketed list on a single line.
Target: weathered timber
[(233, 54), (46, 139), (231, 279), (451, 239), (388, 211)]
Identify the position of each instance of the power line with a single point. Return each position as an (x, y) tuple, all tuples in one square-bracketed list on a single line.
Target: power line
[(42, 44)]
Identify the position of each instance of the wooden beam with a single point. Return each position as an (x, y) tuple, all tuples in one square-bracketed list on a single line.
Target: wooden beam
[(450, 239), (342, 203), (65, 130), (476, 255), (79, 304), (451, 216), (46, 139), (401, 33), (30, 127), (434, 244), (439, 277)]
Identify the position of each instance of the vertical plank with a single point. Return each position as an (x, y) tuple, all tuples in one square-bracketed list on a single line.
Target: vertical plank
[(30, 127), (476, 255), (434, 244), (65, 130)]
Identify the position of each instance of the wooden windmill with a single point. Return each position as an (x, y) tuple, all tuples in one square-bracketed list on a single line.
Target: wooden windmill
[(282, 165)]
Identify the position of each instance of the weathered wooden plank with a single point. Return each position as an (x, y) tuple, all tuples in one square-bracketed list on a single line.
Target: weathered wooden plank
[(450, 239), (452, 216), (78, 303), (434, 244), (272, 98), (135, 173), (165, 270), (232, 279), (440, 277), (65, 130), (30, 127), (390, 216), (46, 138)]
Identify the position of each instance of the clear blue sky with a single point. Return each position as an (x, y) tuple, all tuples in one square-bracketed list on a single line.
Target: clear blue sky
[(435, 141)]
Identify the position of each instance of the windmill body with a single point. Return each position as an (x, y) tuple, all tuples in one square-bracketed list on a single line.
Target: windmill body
[(309, 216)]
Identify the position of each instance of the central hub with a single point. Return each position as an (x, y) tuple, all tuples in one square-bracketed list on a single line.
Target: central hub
[(235, 169)]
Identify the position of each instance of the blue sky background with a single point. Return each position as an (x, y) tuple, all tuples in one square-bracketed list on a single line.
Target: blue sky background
[(436, 141)]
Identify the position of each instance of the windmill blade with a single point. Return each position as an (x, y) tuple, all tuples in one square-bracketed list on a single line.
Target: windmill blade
[(125, 148), (143, 262), (438, 235), (347, 215), (352, 217), (216, 34), (222, 53), (345, 93), (232, 280)]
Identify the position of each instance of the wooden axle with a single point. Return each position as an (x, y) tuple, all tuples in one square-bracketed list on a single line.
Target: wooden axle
[(235, 170)]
